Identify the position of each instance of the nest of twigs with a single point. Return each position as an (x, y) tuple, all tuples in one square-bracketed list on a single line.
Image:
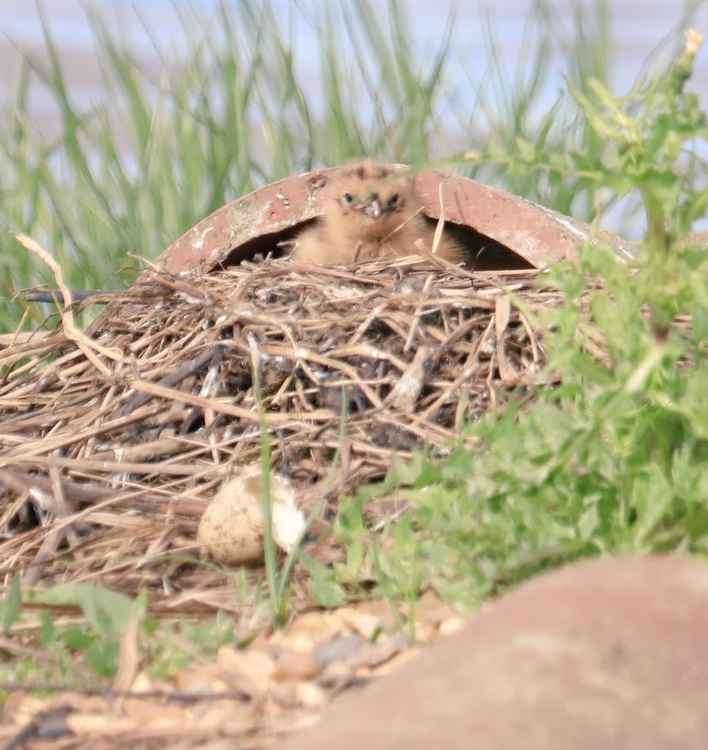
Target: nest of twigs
[(111, 445)]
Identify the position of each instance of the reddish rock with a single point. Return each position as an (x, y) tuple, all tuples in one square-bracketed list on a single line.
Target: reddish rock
[(599, 655), (501, 229)]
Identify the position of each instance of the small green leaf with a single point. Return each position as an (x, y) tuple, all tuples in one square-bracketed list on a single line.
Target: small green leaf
[(11, 605), (327, 592), (102, 655), (589, 522), (106, 611)]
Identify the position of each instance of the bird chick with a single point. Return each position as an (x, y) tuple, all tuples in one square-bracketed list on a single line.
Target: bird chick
[(370, 212)]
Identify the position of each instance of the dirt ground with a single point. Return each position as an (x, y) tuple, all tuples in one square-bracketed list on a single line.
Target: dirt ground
[(249, 698)]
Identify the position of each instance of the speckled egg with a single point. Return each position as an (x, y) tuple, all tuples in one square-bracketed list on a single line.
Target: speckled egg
[(231, 530)]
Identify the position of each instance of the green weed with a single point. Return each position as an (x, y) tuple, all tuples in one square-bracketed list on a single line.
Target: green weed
[(615, 459)]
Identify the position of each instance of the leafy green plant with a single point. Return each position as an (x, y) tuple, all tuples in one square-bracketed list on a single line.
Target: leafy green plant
[(97, 639), (615, 459), (86, 651), (107, 615)]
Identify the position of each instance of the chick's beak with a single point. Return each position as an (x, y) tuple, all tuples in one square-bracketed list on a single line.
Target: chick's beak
[(373, 209)]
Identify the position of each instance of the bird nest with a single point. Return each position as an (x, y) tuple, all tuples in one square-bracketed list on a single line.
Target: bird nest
[(113, 442)]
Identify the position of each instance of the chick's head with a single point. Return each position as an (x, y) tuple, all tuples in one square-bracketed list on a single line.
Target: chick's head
[(369, 202)]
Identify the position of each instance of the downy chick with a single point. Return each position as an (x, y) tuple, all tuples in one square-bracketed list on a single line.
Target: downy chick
[(371, 212)]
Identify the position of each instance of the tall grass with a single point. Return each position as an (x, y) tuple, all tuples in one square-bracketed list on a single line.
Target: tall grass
[(128, 175)]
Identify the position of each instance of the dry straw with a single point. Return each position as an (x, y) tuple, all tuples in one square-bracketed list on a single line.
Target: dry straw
[(106, 462)]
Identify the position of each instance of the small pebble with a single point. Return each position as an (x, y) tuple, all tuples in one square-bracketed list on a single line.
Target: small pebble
[(339, 648), (292, 665), (310, 695), (452, 625)]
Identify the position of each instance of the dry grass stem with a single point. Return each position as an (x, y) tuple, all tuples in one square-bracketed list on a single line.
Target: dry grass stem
[(125, 458)]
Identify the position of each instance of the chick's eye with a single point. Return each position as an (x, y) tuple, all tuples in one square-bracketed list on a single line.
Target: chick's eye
[(348, 198), (393, 200)]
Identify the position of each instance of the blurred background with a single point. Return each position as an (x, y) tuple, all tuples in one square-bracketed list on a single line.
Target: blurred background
[(636, 30), (124, 123)]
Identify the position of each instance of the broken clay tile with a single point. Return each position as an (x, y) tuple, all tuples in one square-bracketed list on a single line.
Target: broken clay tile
[(500, 230)]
